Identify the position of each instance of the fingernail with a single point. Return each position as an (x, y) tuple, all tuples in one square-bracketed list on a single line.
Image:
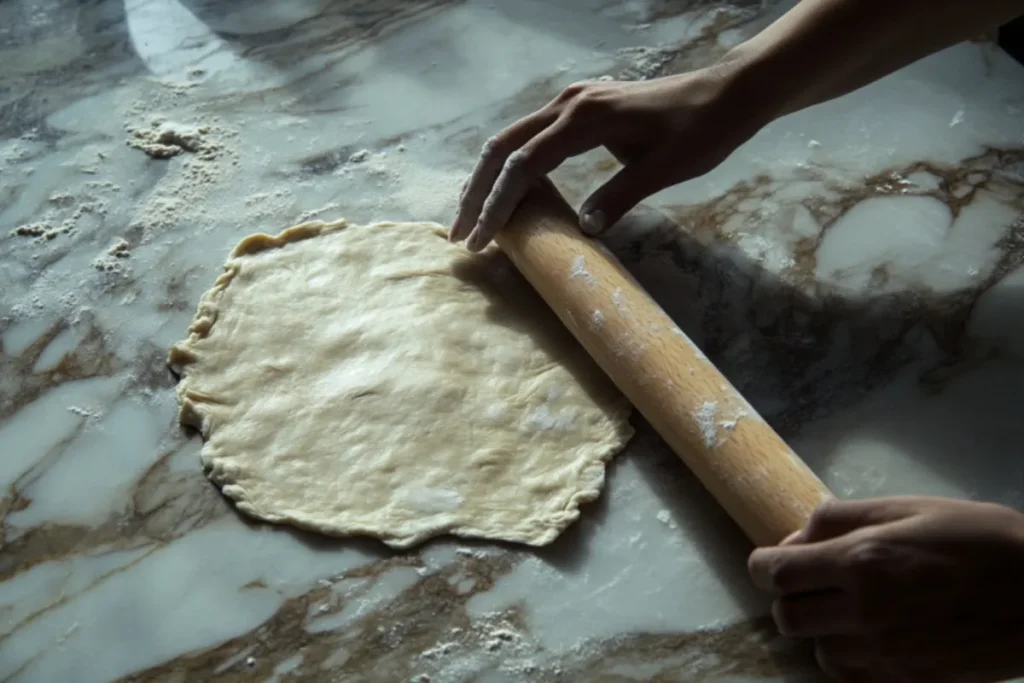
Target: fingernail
[(592, 222), (456, 232), (473, 243), (793, 537)]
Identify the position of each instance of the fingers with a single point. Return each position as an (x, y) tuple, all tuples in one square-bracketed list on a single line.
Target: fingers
[(622, 192), (495, 154), (812, 615), (836, 518), (795, 537), (535, 159), (784, 570)]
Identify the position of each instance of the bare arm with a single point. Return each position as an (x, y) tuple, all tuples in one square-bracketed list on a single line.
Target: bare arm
[(673, 129), (822, 49)]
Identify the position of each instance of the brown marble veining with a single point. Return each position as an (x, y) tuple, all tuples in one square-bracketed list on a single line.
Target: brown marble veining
[(90, 358), (400, 641)]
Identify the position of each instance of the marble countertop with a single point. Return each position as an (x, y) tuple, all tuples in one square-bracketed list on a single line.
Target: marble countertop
[(852, 269)]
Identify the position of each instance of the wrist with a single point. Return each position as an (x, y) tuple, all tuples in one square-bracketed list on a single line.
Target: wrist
[(753, 81)]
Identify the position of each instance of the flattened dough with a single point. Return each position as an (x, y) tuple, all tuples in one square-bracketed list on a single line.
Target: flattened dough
[(378, 381)]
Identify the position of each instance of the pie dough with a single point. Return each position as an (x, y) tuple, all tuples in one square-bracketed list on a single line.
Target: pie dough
[(377, 380)]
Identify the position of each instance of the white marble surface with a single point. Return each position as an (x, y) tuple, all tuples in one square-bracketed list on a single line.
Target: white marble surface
[(852, 269)]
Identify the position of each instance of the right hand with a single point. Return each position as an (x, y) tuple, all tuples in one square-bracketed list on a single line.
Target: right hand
[(663, 131)]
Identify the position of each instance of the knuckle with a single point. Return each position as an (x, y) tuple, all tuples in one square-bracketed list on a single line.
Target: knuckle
[(588, 103), (865, 566), (571, 92), (778, 571), (824, 513), (497, 146), (519, 162), (865, 557)]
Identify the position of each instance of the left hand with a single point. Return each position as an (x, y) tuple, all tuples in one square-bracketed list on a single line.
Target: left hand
[(903, 589)]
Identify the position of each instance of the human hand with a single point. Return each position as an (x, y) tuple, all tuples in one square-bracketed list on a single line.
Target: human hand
[(903, 589), (663, 131)]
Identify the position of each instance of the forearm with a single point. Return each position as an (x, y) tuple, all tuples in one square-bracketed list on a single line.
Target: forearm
[(822, 49)]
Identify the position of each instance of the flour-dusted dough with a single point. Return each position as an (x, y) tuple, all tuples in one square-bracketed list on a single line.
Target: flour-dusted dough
[(377, 380)]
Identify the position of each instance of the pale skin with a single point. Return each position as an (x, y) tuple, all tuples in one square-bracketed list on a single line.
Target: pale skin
[(892, 589)]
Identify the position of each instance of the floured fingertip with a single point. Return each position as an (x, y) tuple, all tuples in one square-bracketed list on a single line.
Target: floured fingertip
[(476, 241)]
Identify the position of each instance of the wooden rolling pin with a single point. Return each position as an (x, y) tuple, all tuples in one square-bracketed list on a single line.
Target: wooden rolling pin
[(762, 484)]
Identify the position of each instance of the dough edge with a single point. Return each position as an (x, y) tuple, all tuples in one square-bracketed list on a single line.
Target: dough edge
[(192, 412)]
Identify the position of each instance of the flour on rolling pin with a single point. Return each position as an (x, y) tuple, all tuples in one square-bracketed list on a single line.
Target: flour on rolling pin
[(707, 420), (620, 302), (596, 320), (579, 270)]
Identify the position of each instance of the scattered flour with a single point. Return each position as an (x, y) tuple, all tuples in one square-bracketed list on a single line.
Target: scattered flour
[(439, 650), (730, 424), (579, 270), (88, 413), (270, 205), (166, 139), (313, 214), (415, 189), (542, 418), (645, 63), (66, 213), (596, 320), (119, 249), (112, 261), (619, 299), (705, 419), (183, 196), (499, 637), (665, 517)]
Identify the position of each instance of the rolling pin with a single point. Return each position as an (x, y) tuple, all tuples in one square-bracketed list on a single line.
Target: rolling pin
[(759, 481)]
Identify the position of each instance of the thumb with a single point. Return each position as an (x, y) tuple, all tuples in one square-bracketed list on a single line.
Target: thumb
[(627, 188)]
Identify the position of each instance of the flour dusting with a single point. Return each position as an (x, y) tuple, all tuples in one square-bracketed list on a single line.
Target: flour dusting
[(665, 517), (729, 425), (420, 191), (166, 139), (644, 63), (496, 411), (619, 299), (579, 270), (543, 418), (705, 418)]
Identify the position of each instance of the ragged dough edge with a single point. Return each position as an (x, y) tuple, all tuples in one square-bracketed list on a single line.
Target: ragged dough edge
[(542, 532), (195, 410)]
